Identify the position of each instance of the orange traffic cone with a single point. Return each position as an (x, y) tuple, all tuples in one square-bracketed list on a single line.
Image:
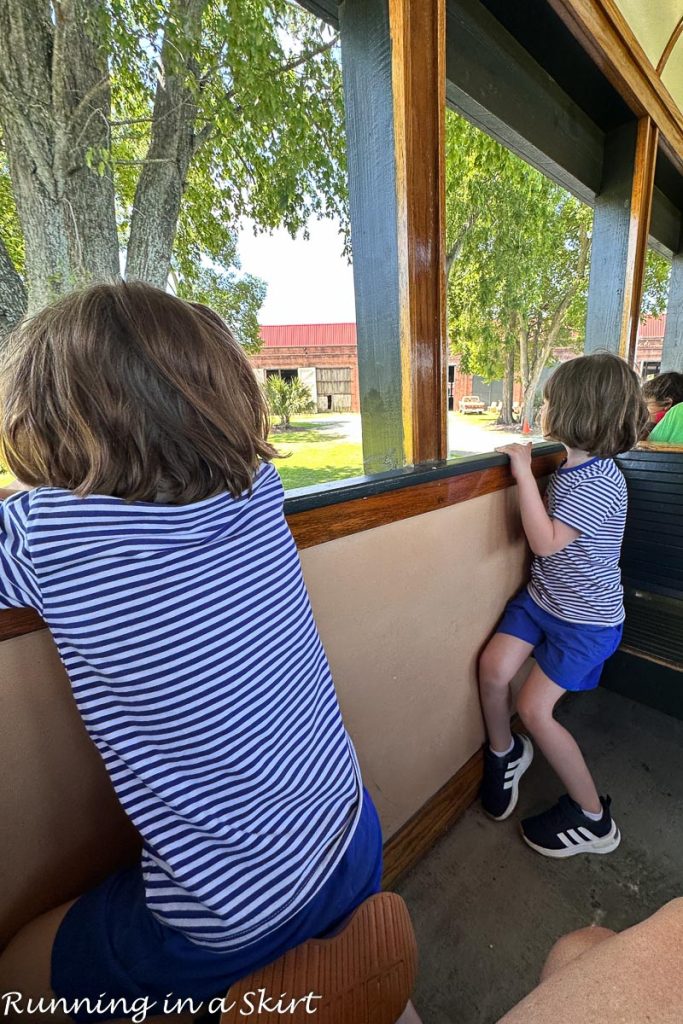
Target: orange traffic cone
[(526, 429)]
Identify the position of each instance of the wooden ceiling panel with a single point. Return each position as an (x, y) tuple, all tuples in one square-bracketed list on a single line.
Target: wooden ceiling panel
[(652, 23), (672, 75)]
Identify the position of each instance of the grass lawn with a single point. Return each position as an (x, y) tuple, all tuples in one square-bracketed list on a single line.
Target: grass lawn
[(318, 450), (479, 419)]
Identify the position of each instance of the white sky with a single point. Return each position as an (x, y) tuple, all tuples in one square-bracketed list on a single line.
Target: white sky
[(309, 281)]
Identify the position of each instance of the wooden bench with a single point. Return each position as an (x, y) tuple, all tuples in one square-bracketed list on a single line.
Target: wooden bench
[(648, 667)]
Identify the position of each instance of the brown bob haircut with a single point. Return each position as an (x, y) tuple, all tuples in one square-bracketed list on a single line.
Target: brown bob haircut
[(125, 390), (595, 404), (667, 387)]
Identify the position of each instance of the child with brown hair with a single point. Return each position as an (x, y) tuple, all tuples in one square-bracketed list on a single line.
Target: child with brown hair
[(154, 544), (570, 615)]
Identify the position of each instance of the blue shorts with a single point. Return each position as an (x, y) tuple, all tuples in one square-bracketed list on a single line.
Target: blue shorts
[(572, 654), (109, 945)]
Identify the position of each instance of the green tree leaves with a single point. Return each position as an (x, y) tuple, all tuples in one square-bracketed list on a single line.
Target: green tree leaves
[(518, 259), (235, 105)]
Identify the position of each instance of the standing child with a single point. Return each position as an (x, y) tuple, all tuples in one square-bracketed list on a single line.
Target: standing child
[(154, 545), (570, 614)]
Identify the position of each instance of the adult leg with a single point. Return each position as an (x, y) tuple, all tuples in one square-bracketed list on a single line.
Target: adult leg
[(500, 661), (574, 944), (535, 705), (633, 976), (25, 967)]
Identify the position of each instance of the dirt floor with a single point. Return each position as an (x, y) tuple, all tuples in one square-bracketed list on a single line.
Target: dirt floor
[(487, 909)]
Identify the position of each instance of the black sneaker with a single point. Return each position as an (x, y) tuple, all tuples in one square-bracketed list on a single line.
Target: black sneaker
[(564, 830), (500, 786)]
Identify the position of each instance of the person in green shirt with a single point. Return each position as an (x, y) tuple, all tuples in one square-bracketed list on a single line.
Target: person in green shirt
[(664, 399), (669, 430)]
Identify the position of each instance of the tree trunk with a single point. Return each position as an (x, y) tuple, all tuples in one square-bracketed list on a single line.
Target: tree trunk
[(531, 387), (12, 293), (173, 144), (506, 418), (80, 85), (54, 110), (532, 370)]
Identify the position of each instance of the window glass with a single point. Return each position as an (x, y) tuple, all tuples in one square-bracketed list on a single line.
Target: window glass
[(648, 356), (207, 157), (518, 257)]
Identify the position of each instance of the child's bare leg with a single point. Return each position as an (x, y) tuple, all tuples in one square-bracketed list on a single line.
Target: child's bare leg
[(25, 968), (500, 661), (535, 705), (25, 965)]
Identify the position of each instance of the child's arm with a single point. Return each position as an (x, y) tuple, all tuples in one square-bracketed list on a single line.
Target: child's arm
[(546, 536)]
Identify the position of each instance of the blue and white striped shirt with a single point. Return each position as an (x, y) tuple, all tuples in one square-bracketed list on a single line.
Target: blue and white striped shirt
[(582, 583), (197, 668)]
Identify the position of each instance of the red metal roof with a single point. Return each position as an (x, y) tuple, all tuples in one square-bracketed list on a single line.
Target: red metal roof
[(653, 327), (327, 335), (307, 335)]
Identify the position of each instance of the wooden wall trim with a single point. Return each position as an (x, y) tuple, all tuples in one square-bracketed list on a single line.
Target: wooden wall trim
[(641, 212), (17, 621), (410, 844), (604, 33), (332, 522)]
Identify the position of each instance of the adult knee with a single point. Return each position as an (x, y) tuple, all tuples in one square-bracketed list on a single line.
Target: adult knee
[(669, 918), (573, 945)]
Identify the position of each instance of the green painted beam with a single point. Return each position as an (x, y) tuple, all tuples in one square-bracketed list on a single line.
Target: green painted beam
[(367, 72)]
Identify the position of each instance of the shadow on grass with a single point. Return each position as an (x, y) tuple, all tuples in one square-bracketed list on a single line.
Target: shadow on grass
[(310, 431), (299, 476)]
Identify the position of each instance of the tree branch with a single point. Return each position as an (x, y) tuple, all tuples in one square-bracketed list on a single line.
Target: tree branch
[(453, 253), (104, 83), (143, 162), (303, 58)]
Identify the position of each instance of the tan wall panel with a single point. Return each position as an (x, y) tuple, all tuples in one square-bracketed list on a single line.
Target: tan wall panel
[(61, 828), (403, 611)]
